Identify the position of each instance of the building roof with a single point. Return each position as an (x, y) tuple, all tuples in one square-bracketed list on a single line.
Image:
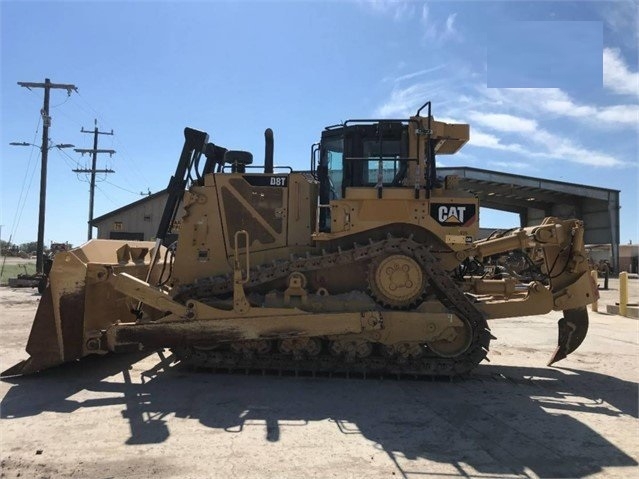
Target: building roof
[(510, 192)]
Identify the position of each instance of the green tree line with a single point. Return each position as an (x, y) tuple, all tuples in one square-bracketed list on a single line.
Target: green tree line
[(13, 249)]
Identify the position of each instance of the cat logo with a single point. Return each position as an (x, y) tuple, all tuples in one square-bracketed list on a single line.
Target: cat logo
[(453, 215)]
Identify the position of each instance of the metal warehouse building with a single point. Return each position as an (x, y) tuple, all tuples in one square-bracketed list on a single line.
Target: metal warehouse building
[(531, 198)]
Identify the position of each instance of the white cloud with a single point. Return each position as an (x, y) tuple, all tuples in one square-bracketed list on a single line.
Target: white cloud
[(430, 31), (628, 114), (425, 13), (545, 145), (437, 31), (399, 9), (400, 103), (616, 115), (450, 24), (403, 102), (546, 126), (410, 76), (486, 140), (503, 122), (616, 75), (537, 143), (557, 102), (562, 148), (446, 119), (509, 165), (404, 10)]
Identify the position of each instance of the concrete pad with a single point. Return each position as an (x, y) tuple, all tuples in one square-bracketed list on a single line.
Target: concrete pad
[(631, 311)]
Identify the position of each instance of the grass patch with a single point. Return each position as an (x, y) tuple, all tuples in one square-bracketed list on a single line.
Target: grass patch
[(13, 270)]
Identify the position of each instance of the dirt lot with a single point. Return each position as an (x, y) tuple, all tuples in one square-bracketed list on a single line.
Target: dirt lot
[(139, 417)]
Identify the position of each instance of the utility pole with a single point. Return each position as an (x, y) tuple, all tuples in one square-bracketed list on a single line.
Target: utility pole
[(46, 123), (94, 152)]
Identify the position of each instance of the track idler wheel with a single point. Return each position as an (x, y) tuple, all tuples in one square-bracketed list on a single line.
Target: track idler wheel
[(573, 328), (458, 341)]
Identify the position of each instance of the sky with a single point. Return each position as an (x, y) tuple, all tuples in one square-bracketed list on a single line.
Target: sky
[(550, 89)]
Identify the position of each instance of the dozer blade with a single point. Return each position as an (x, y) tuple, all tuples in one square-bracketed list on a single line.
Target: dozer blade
[(46, 347), (79, 303), (573, 328), (43, 346), (15, 370)]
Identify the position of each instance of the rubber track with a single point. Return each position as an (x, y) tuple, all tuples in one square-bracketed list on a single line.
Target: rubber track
[(442, 283)]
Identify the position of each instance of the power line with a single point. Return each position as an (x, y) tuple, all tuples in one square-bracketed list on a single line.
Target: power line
[(130, 160), (122, 151), (139, 193), (105, 195), (21, 200), (60, 104), (24, 200), (81, 102), (93, 169), (98, 114), (65, 157)]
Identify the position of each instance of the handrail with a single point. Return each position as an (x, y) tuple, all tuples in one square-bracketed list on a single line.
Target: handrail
[(371, 120), (260, 167), (238, 266)]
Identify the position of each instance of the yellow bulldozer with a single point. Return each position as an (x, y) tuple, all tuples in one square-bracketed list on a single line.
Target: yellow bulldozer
[(369, 263)]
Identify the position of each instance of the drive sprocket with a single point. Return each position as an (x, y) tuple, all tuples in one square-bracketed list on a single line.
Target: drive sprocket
[(396, 281)]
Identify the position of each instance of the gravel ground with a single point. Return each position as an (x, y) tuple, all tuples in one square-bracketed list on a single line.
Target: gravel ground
[(141, 416)]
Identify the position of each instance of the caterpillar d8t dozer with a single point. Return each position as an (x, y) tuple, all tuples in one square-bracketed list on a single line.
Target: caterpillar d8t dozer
[(369, 263)]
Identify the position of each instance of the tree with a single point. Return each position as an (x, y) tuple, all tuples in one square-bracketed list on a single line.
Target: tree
[(7, 248), (29, 247)]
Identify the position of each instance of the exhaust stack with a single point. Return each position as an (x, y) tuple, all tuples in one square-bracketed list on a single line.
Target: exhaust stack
[(268, 151)]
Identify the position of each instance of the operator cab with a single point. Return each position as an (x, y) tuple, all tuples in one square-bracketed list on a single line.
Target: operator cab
[(364, 154), (381, 154)]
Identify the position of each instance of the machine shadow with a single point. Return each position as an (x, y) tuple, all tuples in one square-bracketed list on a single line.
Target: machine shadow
[(499, 420)]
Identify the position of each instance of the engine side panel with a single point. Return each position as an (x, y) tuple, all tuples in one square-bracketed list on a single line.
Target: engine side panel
[(276, 210)]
